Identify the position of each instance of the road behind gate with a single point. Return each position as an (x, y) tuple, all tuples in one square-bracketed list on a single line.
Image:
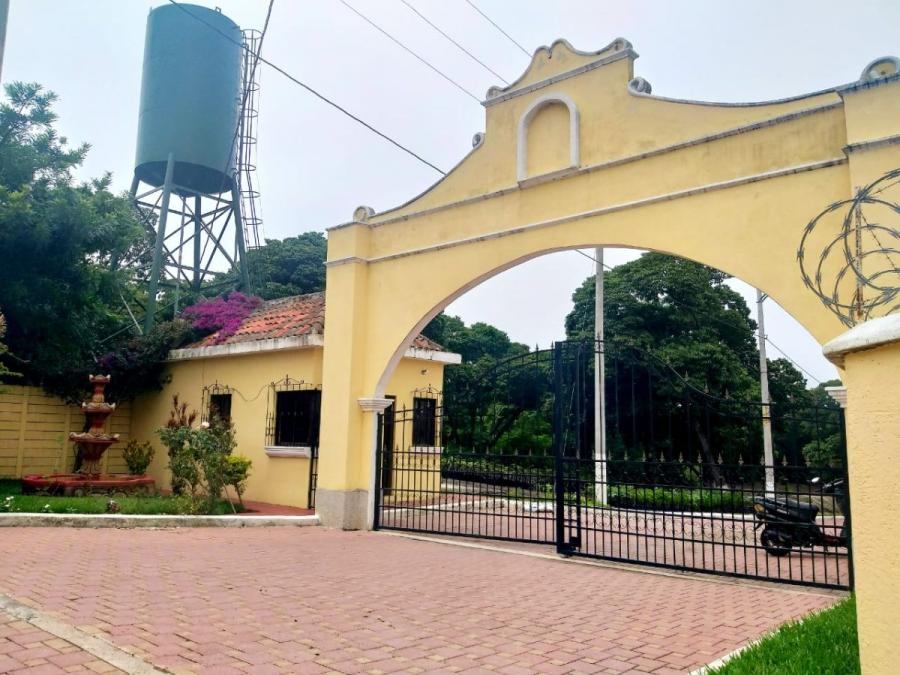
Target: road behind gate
[(312, 600)]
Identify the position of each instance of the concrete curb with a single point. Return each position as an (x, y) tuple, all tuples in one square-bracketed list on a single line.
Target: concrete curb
[(93, 645), (128, 521)]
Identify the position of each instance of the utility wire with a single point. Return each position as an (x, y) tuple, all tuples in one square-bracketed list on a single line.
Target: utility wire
[(315, 93), (407, 49), (494, 24), (785, 355), (466, 51), (766, 337)]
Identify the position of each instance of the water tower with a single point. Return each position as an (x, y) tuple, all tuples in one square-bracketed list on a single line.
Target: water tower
[(195, 137)]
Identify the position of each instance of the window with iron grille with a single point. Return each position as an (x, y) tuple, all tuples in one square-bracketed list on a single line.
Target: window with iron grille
[(425, 422), (220, 407), (216, 402), (293, 415)]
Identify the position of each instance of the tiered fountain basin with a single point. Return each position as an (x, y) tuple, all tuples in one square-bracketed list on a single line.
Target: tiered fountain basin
[(80, 485), (91, 444)]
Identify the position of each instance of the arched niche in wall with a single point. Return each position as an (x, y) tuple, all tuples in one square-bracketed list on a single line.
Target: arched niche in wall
[(548, 137)]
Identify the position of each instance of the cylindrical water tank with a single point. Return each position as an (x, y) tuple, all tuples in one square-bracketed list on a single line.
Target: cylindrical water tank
[(190, 98)]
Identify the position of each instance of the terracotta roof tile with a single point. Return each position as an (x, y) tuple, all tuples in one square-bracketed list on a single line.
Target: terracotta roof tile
[(290, 317)]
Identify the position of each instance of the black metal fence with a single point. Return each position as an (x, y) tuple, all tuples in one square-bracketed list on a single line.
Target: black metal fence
[(676, 489)]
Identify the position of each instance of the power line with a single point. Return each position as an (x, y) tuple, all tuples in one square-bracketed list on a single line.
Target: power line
[(785, 355), (494, 24), (408, 50), (315, 93), (466, 51), (766, 337)]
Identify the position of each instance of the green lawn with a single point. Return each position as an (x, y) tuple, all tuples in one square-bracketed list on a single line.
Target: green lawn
[(127, 505), (823, 644)]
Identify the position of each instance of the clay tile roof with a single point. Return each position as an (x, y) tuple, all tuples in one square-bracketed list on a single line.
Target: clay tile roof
[(294, 316)]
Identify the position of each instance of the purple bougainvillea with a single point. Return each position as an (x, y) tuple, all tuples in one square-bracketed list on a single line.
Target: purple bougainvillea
[(224, 315)]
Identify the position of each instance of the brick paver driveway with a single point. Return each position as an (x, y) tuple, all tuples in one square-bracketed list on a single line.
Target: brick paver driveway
[(313, 600)]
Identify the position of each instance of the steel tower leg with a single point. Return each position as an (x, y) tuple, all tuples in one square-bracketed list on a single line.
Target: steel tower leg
[(155, 271), (198, 230), (239, 242)]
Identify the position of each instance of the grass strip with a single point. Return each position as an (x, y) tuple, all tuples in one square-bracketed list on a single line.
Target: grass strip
[(822, 644)]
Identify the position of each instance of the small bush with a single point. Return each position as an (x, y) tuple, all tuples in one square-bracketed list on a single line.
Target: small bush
[(237, 470), (137, 456)]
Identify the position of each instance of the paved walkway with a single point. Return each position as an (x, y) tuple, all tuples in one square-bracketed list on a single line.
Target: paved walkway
[(26, 649), (313, 600)]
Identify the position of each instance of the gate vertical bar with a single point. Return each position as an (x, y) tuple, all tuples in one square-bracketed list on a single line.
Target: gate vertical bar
[(558, 433), (379, 436), (848, 524)]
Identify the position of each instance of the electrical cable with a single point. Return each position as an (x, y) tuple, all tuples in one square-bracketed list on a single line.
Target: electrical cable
[(407, 49), (494, 24), (315, 93), (785, 355), (463, 49)]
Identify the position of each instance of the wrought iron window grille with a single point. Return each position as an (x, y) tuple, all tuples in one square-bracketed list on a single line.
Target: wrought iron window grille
[(216, 400), (293, 413)]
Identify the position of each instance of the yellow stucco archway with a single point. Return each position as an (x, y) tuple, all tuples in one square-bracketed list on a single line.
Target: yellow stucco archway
[(576, 153)]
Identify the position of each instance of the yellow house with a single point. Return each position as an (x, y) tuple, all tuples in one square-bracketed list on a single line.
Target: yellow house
[(267, 379)]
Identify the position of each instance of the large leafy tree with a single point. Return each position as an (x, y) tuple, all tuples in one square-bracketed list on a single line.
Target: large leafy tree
[(681, 311), (290, 266), (679, 339), (69, 250)]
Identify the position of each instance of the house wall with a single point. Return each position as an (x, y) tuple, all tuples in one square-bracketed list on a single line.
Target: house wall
[(275, 480), (34, 433)]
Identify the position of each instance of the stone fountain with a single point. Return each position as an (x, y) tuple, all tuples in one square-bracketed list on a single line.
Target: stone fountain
[(95, 440), (92, 443)]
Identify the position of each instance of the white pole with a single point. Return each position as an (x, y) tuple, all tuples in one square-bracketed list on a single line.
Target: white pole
[(768, 456), (600, 487), (4, 15)]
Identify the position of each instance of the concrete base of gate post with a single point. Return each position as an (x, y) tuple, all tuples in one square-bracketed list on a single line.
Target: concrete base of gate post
[(870, 357), (344, 509)]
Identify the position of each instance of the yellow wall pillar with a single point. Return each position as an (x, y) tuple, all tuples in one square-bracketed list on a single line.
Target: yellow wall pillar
[(870, 356), (343, 492)]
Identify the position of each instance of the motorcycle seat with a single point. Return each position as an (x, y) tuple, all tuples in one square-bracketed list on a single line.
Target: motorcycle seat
[(790, 509)]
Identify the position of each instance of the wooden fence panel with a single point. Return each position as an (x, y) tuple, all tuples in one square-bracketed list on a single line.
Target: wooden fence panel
[(34, 433)]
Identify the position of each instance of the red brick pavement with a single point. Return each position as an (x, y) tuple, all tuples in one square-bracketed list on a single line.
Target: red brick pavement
[(26, 649), (313, 600)]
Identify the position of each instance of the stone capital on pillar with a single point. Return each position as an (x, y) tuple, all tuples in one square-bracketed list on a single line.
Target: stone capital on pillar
[(867, 335), (373, 403)]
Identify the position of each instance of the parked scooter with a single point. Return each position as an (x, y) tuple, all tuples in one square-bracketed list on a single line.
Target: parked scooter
[(788, 523)]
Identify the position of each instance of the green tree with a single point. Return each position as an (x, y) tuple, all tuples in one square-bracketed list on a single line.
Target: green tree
[(5, 372), (680, 310), (285, 267), (70, 251), (679, 320)]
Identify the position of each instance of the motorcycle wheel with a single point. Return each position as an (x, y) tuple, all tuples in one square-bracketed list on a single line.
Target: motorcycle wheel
[(772, 543)]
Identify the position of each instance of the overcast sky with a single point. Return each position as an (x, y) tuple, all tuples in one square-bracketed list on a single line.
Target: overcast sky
[(316, 166)]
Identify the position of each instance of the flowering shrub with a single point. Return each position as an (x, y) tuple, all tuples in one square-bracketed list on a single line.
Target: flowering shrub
[(200, 459), (224, 315)]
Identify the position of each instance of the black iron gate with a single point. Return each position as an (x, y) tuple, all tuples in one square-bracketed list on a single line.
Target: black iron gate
[(676, 488)]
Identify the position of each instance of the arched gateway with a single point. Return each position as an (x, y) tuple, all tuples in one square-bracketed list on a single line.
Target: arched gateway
[(578, 153)]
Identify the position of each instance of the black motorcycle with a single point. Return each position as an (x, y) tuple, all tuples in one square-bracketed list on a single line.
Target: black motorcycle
[(788, 523)]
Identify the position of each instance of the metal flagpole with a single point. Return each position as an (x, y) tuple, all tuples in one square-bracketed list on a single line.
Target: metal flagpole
[(600, 487), (768, 456)]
